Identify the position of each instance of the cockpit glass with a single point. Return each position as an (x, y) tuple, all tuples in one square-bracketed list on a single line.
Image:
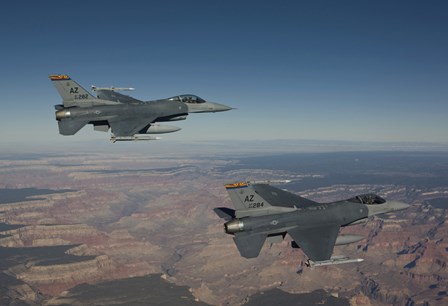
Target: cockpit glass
[(370, 199), (187, 99), (191, 99), (176, 98)]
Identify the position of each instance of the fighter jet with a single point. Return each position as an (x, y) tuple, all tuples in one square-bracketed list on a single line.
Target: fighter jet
[(127, 117), (264, 212)]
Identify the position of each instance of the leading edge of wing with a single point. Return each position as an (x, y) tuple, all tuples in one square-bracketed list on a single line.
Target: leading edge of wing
[(281, 198), (316, 242), (129, 126), (116, 97)]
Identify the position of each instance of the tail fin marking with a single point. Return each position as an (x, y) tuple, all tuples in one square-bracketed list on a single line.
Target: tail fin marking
[(260, 199), (244, 197), (71, 92)]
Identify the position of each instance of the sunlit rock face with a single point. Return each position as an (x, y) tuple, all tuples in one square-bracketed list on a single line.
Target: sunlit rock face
[(121, 216)]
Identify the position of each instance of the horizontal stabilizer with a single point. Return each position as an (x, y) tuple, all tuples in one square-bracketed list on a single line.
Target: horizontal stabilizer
[(225, 213), (249, 245), (70, 126)]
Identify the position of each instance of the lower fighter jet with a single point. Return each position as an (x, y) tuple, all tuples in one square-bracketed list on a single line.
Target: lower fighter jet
[(267, 213), (127, 117)]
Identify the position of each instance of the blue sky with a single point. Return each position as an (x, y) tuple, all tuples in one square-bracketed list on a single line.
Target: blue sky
[(324, 70)]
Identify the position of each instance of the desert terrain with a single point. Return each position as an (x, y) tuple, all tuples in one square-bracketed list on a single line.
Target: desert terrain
[(75, 228)]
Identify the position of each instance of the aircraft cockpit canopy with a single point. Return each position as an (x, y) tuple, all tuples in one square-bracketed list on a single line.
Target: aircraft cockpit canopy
[(188, 99), (369, 199)]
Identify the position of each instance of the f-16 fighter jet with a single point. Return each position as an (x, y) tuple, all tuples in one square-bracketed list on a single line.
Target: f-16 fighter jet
[(263, 212), (127, 117)]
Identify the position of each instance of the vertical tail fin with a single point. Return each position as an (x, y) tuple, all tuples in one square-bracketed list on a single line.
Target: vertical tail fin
[(71, 92), (261, 199), (244, 197)]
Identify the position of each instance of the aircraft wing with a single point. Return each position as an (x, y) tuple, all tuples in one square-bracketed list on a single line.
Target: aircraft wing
[(249, 245), (281, 198), (129, 126), (116, 96), (316, 242)]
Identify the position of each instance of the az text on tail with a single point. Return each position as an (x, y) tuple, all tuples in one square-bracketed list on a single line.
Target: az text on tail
[(263, 199), (71, 92)]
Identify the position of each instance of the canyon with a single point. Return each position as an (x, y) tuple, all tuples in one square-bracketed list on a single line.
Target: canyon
[(104, 218)]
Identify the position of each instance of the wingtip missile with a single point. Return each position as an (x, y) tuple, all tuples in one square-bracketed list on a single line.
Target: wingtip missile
[(112, 88), (136, 137), (333, 261), (270, 182)]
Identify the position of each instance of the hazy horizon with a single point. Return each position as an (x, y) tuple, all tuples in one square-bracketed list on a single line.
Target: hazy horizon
[(337, 71), (219, 147)]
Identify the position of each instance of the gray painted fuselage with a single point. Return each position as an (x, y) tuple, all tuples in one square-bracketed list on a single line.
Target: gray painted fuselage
[(128, 118), (263, 212), (342, 213), (158, 111)]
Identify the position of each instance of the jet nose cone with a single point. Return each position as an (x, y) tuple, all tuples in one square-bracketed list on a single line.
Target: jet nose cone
[(399, 205), (220, 107), (207, 107)]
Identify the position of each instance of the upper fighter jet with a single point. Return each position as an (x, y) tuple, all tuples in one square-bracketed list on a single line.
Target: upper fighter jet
[(267, 213), (127, 117)]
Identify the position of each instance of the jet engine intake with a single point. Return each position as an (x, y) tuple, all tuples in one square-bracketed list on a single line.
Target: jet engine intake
[(234, 226)]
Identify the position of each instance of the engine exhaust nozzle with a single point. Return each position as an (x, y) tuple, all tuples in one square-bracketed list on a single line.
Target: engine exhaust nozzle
[(234, 226)]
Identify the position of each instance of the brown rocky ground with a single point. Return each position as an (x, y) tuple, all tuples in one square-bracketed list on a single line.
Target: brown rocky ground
[(138, 215)]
